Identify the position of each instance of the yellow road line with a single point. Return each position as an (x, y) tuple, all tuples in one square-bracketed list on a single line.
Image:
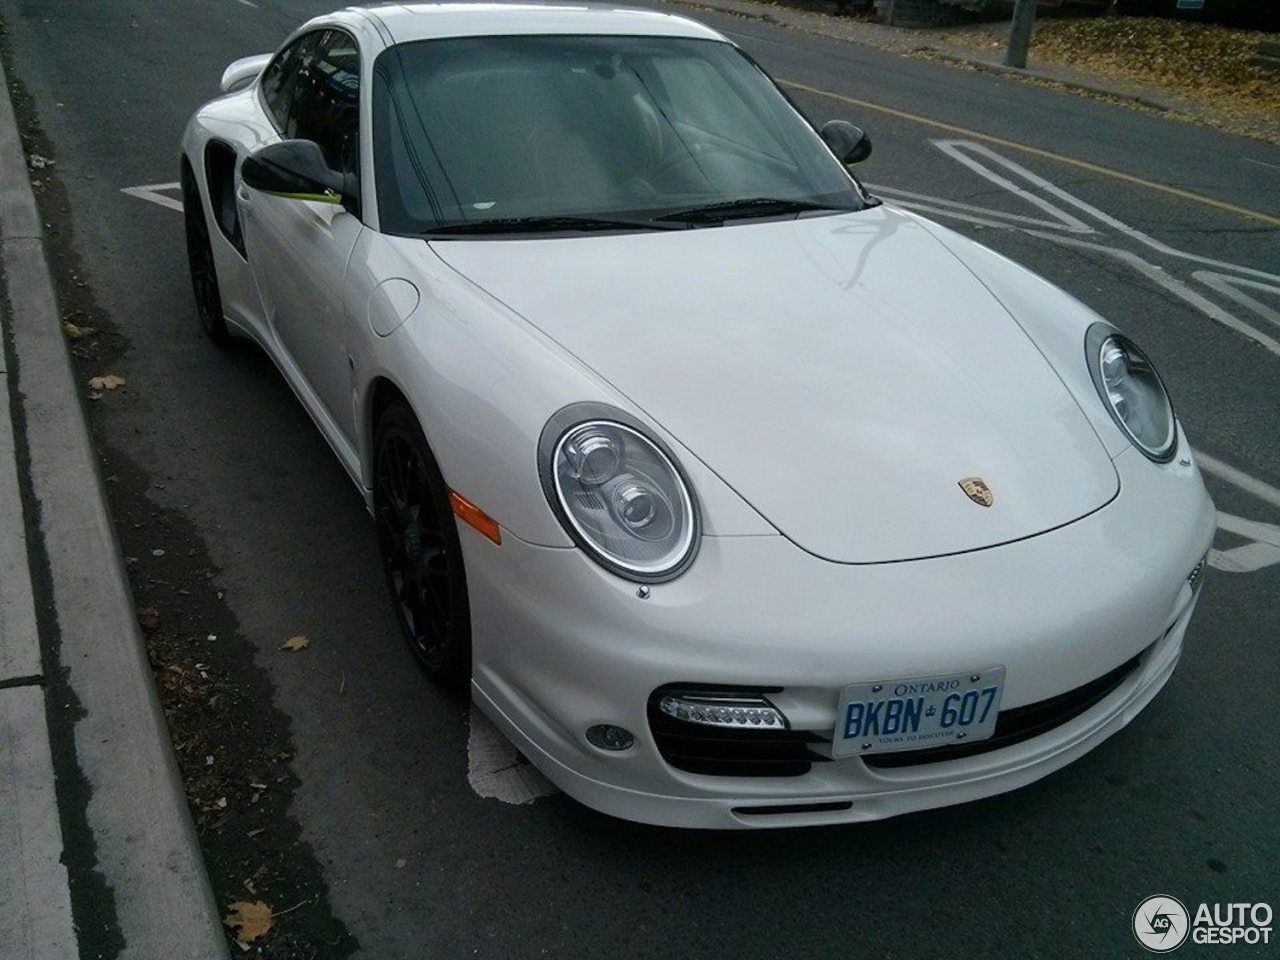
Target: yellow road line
[(1039, 152)]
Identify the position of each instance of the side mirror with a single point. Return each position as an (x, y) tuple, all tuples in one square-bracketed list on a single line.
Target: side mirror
[(297, 169), (240, 73), (847, 142)]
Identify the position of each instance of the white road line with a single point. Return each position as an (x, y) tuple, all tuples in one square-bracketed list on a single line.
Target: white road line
[(960, 150), (944, 212), (248, 3), (1159, 276), (1229, 287), (1150, 270), (496, 769), (918, 198), (1249, 558), (950, 147), (1261, 163), (1238, 478), (1262, 551), (1267, 533), (151, 193)]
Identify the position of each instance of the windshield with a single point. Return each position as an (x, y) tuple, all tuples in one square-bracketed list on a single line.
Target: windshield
[(473, 133)]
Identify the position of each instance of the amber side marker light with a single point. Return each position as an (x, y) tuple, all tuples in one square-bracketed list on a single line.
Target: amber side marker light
[(473, 516)]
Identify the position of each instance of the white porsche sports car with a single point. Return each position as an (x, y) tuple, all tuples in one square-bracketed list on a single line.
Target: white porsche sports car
[(739, 497)]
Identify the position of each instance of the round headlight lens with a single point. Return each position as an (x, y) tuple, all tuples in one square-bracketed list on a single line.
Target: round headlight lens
[(624, 499), (594, 456), (1135, 395)]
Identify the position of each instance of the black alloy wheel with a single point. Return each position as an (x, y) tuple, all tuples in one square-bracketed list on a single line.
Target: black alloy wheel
[(204, 274), (421, 553)]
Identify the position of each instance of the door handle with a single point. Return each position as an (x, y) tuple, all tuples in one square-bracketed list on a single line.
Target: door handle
[(242, 194)]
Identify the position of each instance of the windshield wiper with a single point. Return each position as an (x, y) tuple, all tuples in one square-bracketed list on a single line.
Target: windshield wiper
[(545, 225), (746, 207)]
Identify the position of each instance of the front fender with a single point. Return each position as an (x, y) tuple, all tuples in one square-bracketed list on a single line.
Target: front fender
[(484, 383)]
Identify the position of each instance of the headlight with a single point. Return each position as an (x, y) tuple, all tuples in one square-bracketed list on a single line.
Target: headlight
[(1132, 392), (618, 493)]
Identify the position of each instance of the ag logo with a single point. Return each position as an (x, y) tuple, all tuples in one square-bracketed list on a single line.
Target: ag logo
[(1161, 923)]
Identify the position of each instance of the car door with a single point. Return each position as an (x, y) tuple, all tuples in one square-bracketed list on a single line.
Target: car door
[(299, 249)]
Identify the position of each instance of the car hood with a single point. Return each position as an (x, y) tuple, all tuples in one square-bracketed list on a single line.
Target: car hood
[(842, 372)]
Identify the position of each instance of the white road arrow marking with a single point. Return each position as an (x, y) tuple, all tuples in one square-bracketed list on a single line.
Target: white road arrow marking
[(1263, 551), (152, 193), (497, 770)]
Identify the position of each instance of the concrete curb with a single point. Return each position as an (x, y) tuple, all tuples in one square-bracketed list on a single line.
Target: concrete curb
[(989, 66), (143, 838)]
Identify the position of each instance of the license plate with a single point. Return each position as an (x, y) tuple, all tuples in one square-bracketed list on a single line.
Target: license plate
[(917, 713)]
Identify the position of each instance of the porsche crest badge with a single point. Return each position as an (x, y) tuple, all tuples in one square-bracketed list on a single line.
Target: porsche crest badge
[(976, 489)]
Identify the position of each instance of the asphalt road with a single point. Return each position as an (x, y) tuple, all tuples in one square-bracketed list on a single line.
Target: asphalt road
[(215, 463)]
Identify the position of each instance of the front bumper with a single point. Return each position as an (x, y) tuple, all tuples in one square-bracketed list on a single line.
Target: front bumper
[(560, 646)]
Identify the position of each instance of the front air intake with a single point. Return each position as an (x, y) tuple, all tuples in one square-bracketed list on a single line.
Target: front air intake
[(727, 732)]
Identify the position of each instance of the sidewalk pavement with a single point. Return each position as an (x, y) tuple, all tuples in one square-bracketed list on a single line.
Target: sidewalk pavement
[(98, 854)]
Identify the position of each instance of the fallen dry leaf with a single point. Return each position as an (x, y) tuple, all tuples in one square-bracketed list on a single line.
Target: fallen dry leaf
[(249, 921), (74, 332), (296, 643), (148, 618), (1205, 63), (109, 382)]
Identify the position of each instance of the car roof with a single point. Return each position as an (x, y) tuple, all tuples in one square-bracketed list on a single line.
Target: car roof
[(407, 22)]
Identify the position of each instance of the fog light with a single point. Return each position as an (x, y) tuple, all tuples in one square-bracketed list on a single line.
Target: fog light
[(724, 710), (608, 737)]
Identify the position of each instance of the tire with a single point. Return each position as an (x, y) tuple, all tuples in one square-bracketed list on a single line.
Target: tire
[(204, 273), (420, 550)]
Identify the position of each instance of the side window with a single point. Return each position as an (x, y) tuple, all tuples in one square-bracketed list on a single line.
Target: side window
[(281, 73), (324, 102)]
